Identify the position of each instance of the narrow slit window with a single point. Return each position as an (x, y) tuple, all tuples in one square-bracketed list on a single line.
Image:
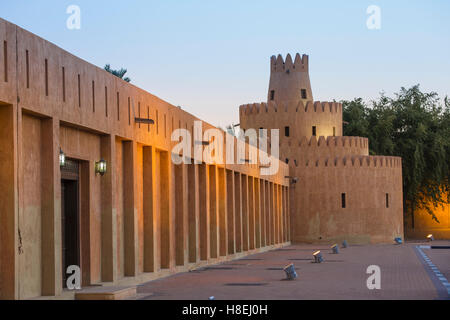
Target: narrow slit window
[(165, 126), (314, 130), (387, 200), (5, 59), (27, 64), (79, 91), (148, 117), (64, 84), (287, 160), (272, 94), (286, 131), (343, 201), (46, 77), (93, 96), (304, 94), (118, 106), (139, 112), (157, 122), (129, 111), (106, 101), (334, 131)]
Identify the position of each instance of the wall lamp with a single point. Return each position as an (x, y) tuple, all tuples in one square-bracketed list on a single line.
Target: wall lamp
[(293, 180), (317, 257), (144, 121), (430, 237), (100, 167), (62, 158), (398, 240)]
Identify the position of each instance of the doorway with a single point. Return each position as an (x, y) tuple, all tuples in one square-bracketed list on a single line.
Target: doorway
[(70, 222)]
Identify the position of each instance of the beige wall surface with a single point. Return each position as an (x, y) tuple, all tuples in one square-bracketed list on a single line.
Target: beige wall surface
[(143, 218)]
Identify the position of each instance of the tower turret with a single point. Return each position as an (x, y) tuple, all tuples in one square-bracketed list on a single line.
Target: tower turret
[(289, 80)]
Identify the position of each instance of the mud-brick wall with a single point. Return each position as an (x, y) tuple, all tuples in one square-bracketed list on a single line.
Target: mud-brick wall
[(368, 217)]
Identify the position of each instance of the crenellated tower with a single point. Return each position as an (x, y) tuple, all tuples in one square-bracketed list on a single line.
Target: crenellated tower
[(341, 192), (289, 80)]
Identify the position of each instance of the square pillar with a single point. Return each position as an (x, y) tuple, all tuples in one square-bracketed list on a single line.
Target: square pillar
[(50, 209), (109, 212), (130, 199)]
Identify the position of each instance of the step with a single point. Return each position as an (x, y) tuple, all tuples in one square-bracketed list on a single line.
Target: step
[(106, 293)]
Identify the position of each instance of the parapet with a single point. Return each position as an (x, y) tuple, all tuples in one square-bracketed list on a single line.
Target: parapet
[(327, 142), (272, 107), (300, 64), (352, 161)]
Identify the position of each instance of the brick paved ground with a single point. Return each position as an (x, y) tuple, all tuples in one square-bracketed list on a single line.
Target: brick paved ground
[(342, 276)]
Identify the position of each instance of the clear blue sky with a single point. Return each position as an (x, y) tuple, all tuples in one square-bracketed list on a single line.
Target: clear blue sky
[(212, 56)]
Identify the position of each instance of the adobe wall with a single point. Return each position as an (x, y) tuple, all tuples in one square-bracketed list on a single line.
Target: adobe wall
[(298, 116), (146, 217), (316, 208)]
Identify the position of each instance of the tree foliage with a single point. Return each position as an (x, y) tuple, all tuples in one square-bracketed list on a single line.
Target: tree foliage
[(414, 125), (118, 73)]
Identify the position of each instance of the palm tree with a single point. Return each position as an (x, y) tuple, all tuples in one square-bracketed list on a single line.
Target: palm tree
[(118, 73)]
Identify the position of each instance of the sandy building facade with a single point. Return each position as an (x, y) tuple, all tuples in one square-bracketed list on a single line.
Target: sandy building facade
[(145, 217)]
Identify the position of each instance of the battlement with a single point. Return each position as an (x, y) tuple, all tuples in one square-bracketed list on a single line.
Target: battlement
[(300, 64), (352, 161), (327, 142), (272, 107)]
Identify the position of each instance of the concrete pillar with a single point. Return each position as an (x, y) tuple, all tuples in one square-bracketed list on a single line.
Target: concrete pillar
[(51, 209), (203, 182), (277, 213), (272, 214), (8, 203), (288, 213), (180, 196), (151, 209), (262, 193), (165, 208), (267, 211), (213, 210), (108, 213), (130, 199), (185, 216), (245, 222), (251, 212), (257, 214), (231, 212), (193, 213), (223, 242), (238, 211)]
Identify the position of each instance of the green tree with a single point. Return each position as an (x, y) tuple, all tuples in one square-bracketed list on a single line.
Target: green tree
[(415, 126), (118, 73)]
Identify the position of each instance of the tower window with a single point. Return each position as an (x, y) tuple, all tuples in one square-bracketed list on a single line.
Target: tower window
[(286, 131), (304, 95), (314, 131), (272, 94), (343, 204), (387, 200), (287, 160), (334, 131)]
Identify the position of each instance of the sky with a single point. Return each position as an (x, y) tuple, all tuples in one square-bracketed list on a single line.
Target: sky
[(209, 57)]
